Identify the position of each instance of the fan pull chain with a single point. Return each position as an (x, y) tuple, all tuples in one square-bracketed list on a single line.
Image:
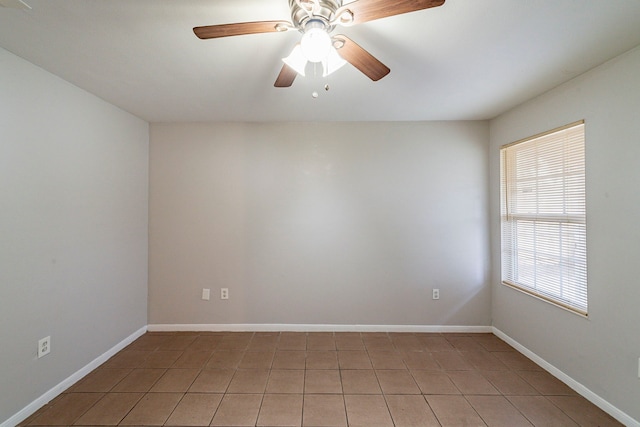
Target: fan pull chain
[(315, 94)]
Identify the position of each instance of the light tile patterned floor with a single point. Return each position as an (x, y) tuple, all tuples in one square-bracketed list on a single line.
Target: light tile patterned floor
[(322, 380)]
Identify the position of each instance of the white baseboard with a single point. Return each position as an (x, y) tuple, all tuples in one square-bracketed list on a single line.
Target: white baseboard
[(71, 380), (575, 385), (246, 327)]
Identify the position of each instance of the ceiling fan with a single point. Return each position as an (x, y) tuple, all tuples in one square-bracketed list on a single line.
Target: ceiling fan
[(316, 20)]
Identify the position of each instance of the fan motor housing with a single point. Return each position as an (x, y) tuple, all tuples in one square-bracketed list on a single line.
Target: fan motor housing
[(323, 10)]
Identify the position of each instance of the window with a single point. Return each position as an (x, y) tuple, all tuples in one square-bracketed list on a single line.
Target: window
[(544, 250)]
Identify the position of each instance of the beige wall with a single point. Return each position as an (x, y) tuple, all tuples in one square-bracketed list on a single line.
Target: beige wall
[(73, 229), (307, 223), (600, 352)]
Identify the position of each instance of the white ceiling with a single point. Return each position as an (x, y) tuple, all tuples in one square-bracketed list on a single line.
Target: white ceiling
[(465, 60)]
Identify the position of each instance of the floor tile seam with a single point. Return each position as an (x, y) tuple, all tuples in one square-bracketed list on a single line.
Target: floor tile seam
[(444, 372), (472, 408), (411, 371), (522, 413), (75, 419), (352, 394), (517, 372), (546, 396), (342, 393), (377, 380), (388, 409), (130, 409), (478, 413), (146, 391), (178, 404), (187, 388), (222, 400), (344, 405), (424, 398), (123, 417), (568, 415), (371, 361)]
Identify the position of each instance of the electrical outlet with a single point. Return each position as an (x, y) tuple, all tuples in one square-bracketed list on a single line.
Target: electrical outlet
[(206, 294), (44, 346), (436, 294), (224, 293)]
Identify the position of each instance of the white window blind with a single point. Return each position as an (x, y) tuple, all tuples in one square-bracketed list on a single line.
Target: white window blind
[(544, 217)]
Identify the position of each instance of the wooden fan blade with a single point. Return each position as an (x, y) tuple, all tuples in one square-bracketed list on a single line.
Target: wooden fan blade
[(239, 29), (286, 77), (368, 10), (360, 58)]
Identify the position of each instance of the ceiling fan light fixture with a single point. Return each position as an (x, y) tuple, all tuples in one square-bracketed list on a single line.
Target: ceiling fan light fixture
[(296, 60), (316, 19), (333, 62), (316, 42)]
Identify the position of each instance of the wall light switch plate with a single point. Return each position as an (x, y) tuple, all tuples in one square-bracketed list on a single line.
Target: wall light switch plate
[(206, 294)]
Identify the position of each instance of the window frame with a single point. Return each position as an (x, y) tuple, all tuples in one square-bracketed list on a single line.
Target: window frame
[(510, 220)]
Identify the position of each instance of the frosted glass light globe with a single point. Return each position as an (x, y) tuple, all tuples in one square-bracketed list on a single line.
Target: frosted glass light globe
[(315, 44)]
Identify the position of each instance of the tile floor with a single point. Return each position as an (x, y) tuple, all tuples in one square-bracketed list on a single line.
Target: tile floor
[(319, 379)]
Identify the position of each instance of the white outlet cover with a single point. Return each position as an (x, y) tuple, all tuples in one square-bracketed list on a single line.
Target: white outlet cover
[(44, 346), (224, 293)]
